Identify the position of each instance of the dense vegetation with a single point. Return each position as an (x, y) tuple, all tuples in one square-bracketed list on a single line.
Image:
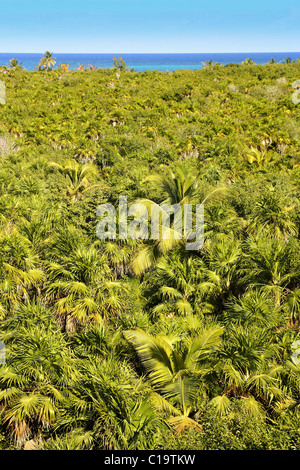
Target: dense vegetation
[(143, 345)]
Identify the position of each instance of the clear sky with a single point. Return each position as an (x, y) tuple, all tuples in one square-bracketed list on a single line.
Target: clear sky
[(149, 26)]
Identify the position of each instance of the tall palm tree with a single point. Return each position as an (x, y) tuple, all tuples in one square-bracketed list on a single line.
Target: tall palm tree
[(47, 61)]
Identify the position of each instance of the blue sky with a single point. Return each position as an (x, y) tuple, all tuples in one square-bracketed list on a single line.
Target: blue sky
[(123, 26)]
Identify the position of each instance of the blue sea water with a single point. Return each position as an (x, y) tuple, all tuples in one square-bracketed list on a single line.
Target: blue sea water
[(143, 62)]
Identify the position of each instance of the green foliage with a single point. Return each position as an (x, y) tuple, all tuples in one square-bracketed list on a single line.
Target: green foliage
[(130, 344), (120, 64)]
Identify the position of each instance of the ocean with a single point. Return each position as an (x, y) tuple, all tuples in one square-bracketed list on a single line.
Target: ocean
[(143, 62)]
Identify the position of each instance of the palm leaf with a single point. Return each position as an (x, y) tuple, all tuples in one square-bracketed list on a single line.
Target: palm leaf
[(205, 342), (252, 407), (182, 423), (161, 404), (221, 403), (155, 354)]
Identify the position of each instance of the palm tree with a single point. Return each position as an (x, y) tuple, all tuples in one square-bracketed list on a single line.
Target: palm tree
[(118, 255), (293, 306), (173, 284), (223, 260), (107, 409), (38, 364), (254, 307), (287, 60), (267, 263), (248, 61), (77, 176), (81, 287), (119, 64), (174, 366), (220, 219), (15, 64), (47, 61), (180, 188), (260, 157), (209, 64), (180, 284), (248, 365), (275, 213), (21, 271)]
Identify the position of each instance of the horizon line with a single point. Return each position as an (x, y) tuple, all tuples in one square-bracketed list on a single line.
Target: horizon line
[(227, 52)]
